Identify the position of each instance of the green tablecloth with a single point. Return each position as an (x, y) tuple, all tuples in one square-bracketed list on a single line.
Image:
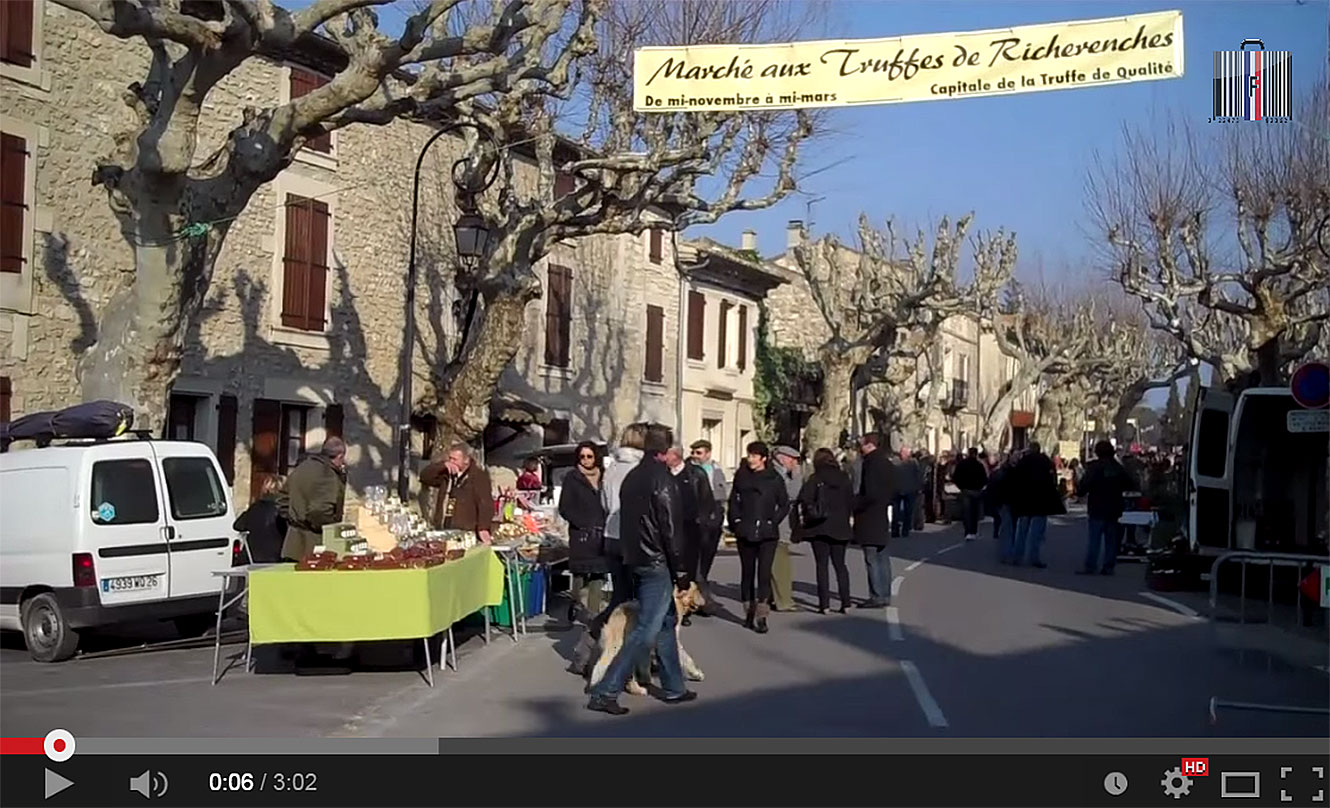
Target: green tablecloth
[(351, 606)]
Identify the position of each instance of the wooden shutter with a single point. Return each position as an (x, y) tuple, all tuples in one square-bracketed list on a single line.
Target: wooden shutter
[(657, 253), (226, 437), (6, 396), (743, 337), (558, 316), (557, 432), (305, 261), (655, 370), (304, 82), (16, 34), (264, 444), (563, 184), (722, 345), (697, 325), (332, 420), (13, 199)]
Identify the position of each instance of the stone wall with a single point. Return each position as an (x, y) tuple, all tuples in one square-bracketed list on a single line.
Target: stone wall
[(238, 346)]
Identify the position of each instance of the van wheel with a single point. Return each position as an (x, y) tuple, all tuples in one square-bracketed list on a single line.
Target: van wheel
[(45, 630)]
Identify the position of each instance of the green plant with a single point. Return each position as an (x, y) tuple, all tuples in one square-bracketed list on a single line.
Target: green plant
[(778, 372)]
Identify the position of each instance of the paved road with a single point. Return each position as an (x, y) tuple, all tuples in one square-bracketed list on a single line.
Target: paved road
[(972, 649)]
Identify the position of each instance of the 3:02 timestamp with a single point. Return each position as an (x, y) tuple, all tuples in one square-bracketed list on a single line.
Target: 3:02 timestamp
[(263, 781)]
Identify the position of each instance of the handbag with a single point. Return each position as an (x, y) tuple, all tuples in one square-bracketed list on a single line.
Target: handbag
[(814, 512)]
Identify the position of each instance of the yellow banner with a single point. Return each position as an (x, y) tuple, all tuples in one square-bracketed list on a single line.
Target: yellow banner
[(835, 73)]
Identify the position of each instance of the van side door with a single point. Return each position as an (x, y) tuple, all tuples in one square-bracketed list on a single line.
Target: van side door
[(1210, 470), (124, 524), (199, 517)]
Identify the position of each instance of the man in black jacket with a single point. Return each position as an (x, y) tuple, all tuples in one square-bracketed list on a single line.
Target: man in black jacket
[(698, 505), (1103, 484), (970, 477), (654, 545), (872, 518)]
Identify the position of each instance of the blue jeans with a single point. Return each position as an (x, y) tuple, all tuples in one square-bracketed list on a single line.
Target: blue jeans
[(1106, 533), (878, 561), (902, 515), (1006, 525), (655, 628), (1029, 539)]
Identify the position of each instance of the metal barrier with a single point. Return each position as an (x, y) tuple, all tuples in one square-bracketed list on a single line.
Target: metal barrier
[(1269, 560)]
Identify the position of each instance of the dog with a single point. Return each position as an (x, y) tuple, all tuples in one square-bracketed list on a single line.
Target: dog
[(622, 620)]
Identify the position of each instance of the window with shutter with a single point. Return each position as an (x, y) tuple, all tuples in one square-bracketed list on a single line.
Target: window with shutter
[(657, 250), (333, 415), (6, 394), (13, 200), (304, 82), (557, 432), (16, 45), (226, 437), (655, 365), (697, 325), (564, 184), (743, 337), (724, 331), (558, 316), (264, 444), (305, 261)]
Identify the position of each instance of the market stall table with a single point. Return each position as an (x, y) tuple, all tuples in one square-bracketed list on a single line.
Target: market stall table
[(343, 606)]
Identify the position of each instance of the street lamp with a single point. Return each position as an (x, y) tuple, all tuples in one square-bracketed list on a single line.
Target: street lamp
[(471, 235)]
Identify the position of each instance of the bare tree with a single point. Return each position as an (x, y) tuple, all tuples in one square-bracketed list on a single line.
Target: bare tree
[(626, 172), (884, 302), (175, 205), (1171, 206)]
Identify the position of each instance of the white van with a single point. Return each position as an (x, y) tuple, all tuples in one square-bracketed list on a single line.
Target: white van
[(1256, 476), (103, 532)]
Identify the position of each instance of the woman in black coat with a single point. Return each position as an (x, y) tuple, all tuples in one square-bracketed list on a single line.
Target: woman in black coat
[(581, 506), (758, 504), (825, 503), (264, 523)]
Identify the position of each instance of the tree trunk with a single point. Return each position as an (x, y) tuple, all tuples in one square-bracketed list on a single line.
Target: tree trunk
[(833, 416), (462, 397), (140, 337)]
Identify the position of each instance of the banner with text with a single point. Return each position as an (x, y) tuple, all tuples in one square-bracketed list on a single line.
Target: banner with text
[(1031, 58)]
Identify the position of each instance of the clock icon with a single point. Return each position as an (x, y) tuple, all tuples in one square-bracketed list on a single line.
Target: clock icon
[(1115, 783)]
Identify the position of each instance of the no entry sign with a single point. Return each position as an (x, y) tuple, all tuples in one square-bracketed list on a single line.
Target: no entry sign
[(1310, 385)]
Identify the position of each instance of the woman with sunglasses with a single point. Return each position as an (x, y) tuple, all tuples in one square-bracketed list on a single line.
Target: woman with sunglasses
[(580, 505)]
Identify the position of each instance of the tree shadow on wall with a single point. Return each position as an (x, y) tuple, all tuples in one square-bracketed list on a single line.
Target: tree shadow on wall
[(62, 276)]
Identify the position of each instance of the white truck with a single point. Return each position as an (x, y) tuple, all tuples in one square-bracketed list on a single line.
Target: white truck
[(103, 532), (1256, 476)]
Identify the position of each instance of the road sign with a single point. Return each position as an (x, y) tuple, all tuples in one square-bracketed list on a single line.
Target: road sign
[(1304, 421), (1310, 385)]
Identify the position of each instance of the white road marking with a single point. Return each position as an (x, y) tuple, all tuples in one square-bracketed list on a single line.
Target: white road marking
[(926, 701), (109, 686), (1182, 609), (955, 546), (916, 565), (896, 585), (894, 624)]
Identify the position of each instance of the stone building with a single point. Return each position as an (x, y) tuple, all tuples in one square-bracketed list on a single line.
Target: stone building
[(724, 293), (301, 334)]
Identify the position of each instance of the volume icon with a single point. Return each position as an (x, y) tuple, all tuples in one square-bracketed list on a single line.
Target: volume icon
[(150, 784)]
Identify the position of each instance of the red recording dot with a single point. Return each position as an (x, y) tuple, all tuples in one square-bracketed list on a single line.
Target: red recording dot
[(59, 745)]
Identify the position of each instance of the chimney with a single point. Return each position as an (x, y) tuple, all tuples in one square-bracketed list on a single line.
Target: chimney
[(748, 241), (794, 234)]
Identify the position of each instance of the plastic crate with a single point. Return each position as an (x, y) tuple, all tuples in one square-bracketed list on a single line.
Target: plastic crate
[(531, 591)]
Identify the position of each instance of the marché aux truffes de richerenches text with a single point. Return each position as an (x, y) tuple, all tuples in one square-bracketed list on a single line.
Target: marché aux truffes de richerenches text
[(850, 61)]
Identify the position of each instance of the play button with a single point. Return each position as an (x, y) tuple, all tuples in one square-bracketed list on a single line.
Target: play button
[(55, 784)]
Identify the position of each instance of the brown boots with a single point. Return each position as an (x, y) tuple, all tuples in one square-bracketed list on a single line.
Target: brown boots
[(756, 618)]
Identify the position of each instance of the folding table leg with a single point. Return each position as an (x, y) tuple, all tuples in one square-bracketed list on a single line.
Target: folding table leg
[(429, 664), (486, 611), (217, 635), (452, 647)]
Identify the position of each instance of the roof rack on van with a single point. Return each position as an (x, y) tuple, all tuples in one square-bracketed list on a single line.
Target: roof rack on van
[(94, 422)]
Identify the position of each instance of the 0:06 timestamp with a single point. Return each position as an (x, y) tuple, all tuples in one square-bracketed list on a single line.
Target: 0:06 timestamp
[(265, 781)]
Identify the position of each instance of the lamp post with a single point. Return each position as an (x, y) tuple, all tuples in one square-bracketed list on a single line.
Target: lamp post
[(471, 235)]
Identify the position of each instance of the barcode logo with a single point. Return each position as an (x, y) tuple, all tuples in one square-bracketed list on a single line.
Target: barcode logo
[(1253, 85)]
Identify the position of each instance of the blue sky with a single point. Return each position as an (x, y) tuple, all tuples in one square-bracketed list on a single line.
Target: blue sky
[(1017, 161)]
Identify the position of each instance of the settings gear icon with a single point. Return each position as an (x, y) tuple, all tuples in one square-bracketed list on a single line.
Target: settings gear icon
[(1175, 783)]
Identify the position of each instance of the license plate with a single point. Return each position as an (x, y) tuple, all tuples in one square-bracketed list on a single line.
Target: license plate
[(131, 583)]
